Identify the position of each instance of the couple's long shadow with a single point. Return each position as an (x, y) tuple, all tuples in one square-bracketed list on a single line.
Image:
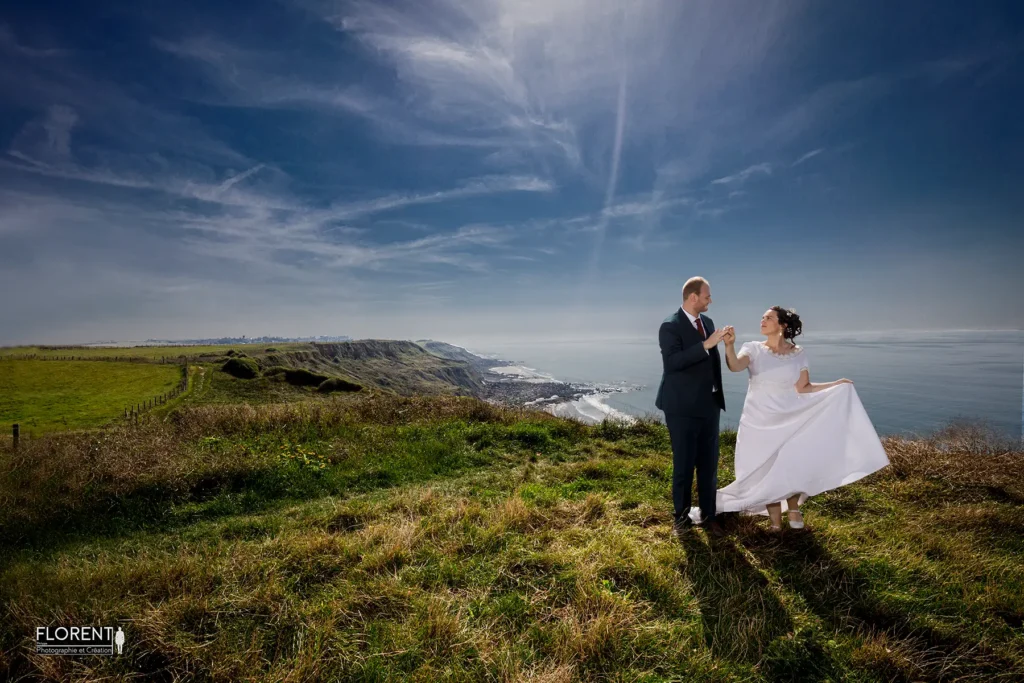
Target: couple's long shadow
[(743, 618), (740, 613)]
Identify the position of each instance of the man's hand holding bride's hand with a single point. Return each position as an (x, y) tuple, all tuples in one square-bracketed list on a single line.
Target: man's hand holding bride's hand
[(729, 336), (712, 341)]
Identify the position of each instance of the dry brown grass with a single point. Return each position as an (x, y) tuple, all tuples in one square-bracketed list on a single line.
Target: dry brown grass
[(375, 408), (963, 456)]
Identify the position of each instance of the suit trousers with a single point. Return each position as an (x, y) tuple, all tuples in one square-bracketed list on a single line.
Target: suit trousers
[(694, 447)]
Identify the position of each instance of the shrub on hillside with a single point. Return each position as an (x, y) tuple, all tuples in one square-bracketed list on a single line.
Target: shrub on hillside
[(299, 377), (270, 349), (242, 368), (337, 384)]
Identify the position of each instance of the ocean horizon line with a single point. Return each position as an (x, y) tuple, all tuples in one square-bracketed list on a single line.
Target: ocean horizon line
[(590, 336)]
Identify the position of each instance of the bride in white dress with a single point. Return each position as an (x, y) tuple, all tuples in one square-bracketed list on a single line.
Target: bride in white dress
[(795, 439)]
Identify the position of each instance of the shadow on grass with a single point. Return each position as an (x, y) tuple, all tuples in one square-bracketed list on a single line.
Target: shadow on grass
[(741, 615), (157, 508), (843, 598)]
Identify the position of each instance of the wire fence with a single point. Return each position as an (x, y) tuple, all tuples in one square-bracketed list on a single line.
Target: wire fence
[(134, 412)]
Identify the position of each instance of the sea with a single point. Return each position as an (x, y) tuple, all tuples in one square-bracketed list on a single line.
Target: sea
[(911, 383)]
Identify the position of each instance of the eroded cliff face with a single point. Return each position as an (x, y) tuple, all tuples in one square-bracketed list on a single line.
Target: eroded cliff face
[(365, 349)]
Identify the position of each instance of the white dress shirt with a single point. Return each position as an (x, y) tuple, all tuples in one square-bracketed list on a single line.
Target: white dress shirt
[(693, 321)]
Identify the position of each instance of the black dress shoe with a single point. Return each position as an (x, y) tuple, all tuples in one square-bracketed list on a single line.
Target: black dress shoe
[(714, 528)]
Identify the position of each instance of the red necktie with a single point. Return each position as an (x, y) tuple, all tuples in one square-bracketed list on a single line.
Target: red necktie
[(700, 328)]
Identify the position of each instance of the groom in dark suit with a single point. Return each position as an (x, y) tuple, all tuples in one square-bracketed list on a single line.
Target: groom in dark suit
[(691, 397)]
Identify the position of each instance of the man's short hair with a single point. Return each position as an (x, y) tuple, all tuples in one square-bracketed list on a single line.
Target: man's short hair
[(693, 286)]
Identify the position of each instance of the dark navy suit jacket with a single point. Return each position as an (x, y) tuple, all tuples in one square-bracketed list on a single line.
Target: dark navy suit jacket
[(688, 371)]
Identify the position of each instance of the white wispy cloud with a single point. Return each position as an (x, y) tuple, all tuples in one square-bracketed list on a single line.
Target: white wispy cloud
[(261, 233), (552, 71), (247, 77), (266, 240), (474, 79), (654, 205), (239, 177), (277, 233), (763, 168), (809, 155), (267, 79), (44, 147)]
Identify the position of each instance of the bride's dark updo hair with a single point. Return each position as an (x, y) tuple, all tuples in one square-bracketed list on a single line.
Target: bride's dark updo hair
[(790, 321)]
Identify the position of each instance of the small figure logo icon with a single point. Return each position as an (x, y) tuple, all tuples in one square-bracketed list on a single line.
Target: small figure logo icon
[(119, 640)]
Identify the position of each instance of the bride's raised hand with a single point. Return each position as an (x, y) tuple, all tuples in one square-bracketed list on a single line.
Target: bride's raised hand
[(715, 337), (729, 336)]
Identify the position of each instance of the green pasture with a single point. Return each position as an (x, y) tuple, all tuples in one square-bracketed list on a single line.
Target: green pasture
[(49, 395)]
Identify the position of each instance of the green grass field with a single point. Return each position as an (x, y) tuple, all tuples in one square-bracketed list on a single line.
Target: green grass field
[(49, 395), (54, 395), (375, 538)]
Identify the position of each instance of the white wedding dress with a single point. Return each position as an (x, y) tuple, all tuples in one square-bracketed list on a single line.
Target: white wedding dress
[(790, 443)]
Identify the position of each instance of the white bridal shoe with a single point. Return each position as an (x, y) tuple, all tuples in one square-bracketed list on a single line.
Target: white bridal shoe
[(792, 524)]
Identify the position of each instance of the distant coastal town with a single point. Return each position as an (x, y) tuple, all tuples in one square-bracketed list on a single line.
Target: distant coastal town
[(222, 340)]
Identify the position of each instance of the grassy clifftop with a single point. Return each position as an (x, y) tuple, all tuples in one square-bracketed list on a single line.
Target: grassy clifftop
[(397, 367), (47, 393), (442, 538)]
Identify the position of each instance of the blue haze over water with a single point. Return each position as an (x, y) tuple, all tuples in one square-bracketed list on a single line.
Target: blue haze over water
[(911, 383)]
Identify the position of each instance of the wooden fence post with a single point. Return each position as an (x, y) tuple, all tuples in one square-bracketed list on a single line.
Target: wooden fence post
[(16, 433)]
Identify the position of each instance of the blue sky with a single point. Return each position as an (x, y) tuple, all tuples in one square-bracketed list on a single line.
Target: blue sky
[(495, 168)]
